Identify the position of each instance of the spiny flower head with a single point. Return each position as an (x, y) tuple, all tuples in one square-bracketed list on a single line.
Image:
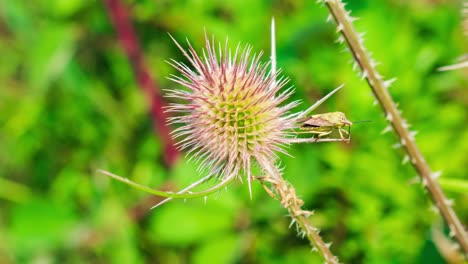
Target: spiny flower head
[(232, 115)]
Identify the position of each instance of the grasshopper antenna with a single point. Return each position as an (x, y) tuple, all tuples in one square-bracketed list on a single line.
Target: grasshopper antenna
[(319, 102), (361, 121)]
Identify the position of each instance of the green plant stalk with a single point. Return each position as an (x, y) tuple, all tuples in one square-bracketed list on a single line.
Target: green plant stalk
[(279, 189), (181, 195), (379, 88)]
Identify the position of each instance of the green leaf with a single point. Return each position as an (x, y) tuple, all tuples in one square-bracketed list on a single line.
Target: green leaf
[(187, 223), (40, 225), (224, 249)]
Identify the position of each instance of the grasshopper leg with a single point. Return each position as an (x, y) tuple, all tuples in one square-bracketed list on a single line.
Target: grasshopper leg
[(322, 134), (341, 131)]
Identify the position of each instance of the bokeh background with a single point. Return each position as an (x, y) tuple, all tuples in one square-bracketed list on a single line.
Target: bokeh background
[(70, 104)]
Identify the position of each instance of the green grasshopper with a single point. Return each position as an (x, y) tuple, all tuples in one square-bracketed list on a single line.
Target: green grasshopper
[(324, 124)]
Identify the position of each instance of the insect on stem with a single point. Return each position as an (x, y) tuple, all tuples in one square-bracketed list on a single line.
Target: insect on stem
[(323, 125)]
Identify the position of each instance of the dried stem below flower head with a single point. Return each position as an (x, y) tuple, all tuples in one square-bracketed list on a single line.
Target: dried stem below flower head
[(278, 188)]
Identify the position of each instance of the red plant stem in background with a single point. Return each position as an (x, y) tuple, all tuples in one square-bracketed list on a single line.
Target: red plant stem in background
[(121, 20)]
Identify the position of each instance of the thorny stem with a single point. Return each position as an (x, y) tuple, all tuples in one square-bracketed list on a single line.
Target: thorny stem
[(279, 189), (378, 86)]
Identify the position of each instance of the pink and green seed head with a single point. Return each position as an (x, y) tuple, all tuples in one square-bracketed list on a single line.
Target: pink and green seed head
[(232, 111)]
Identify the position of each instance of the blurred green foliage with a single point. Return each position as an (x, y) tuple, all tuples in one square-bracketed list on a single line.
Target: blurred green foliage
[(69, 104)]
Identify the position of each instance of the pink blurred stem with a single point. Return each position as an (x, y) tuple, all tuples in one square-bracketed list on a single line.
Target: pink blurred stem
[(121, 20)]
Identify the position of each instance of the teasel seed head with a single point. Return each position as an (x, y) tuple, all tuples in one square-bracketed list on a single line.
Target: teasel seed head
[(233, 115)]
